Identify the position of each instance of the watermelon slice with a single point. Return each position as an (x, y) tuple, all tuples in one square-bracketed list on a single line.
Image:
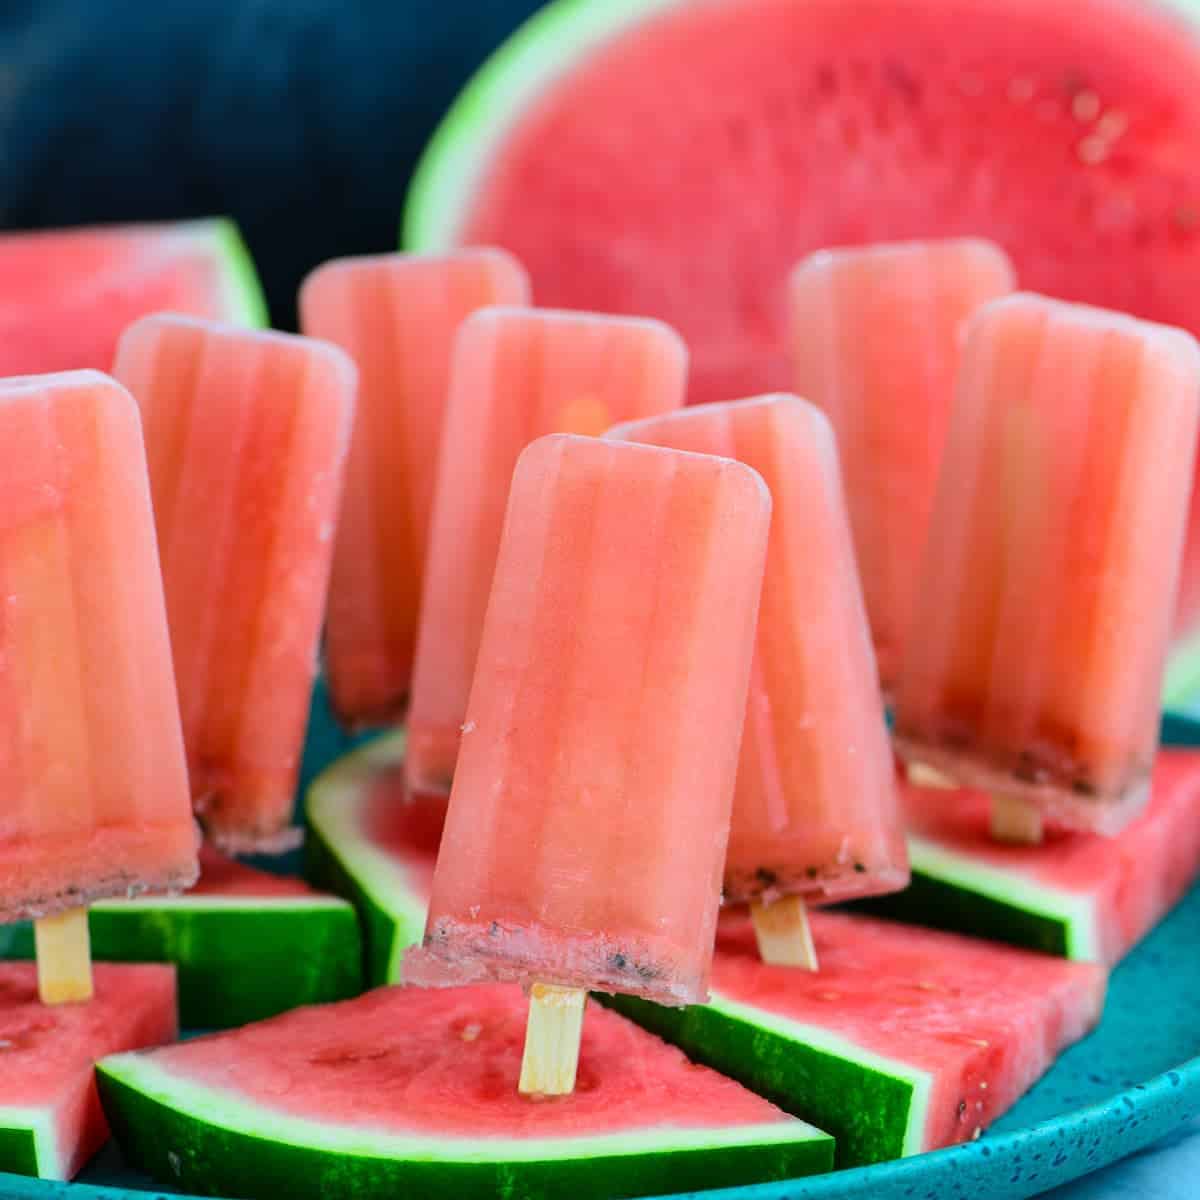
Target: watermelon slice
[(618, 147), (376, 846), (906, 1040), (407, 1091), (50, 1117), (247, 944), (1080, 895), (67, 294)]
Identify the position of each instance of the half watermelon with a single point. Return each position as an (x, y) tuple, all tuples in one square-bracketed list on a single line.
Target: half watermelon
[(676, 159), (1079, 895), (50, 1117), (906, 1040), (247, 944), (413, 1092), (66, 295)]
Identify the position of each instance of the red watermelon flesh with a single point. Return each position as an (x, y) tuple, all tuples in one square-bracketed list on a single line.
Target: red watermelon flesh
[(67, 295), (47, 1085), (1108, 891), (405, 825), (223, 876), (413, 1060), (681, 166), (984, 1022)]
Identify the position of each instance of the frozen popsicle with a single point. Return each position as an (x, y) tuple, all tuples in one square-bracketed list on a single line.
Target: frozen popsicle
[(876, 337), (93, 786), (816, 813), (587, 826), (246, 436), (396, 315), (1044, 604), (517, 375)]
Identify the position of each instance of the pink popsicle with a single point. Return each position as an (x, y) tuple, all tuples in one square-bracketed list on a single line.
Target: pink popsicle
[(587, 826), (517, 375), (246, 435), (876, 336), (397, 316), (1045, 600), (816, 812), (93, 786)]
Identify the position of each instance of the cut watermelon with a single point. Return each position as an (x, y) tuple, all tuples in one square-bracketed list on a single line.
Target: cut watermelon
[(676, 160), (247, 944), (1080, 895), (50, 1117), (68, 294), (906, 1040), (407, 1091), (372, 843)]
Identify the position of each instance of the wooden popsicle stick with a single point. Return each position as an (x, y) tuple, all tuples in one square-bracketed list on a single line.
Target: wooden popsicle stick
[(552, 1040), (64, 957), (783, 933), (923, 776), (1016, 821)]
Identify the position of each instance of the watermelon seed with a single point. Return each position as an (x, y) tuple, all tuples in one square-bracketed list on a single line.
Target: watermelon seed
[(1112, 124), (962, 1110), (1021, 90), (1092, 150), (471, 1032), (976, 1133), (983, 1085), (1086, 105)]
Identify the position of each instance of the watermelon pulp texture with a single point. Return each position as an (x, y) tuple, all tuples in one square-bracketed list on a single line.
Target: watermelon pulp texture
[(50, 1117), (906, 1040), (677, 159), (1081, 895), (372, 842), (246, 944), (69, 294), (246, 440), (407, 1089)]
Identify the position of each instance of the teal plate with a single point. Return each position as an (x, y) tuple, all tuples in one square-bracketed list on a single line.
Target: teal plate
[(1135, 1080)]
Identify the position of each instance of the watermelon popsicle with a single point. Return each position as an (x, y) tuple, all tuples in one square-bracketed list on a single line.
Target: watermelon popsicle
[(94, 786), (876, 334), (1045, 600), (246, 437), (816, 815), (588, 821), (517, 375), (396, 315)]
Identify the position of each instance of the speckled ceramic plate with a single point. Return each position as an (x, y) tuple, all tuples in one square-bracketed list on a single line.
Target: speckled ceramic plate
[(1134, 1080)]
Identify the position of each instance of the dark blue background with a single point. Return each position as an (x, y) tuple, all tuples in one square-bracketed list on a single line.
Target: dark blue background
[(300, 118)]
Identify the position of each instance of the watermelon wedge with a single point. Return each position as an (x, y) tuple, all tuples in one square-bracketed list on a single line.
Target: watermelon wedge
[(247, 944), (906, 1040), (67, 294), (370, 842), (50, 1117), (1082, 896), (412, 1092), (676, 159)]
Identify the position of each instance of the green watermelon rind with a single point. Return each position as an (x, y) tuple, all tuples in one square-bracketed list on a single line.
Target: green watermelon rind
[(238, 958), (29, 1143), (1007, 905), (244, 303), (493, 100), (201, 1137), (876, 1108), (340, 857)]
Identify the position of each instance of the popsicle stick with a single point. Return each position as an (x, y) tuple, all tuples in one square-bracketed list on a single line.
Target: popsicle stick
[(1016, 821), (64, 958), (923, 776), (552, 1040), (783, 934)]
